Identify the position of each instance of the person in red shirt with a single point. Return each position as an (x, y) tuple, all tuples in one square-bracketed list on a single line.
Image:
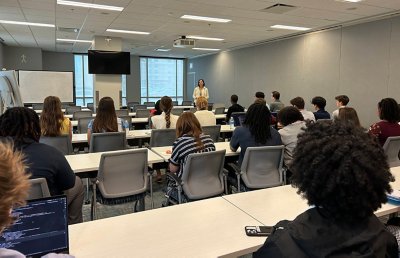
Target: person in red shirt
[(389, 114)]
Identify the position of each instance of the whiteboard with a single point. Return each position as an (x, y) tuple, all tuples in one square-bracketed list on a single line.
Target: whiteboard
[(35, 86)]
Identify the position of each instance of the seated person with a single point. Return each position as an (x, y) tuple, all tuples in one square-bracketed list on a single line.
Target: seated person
[(276, 104), (234, 108), (350, 115), (204, 116), (190, 139), (106, 119), (22, 125), (298, 102), (344, 175), (341, 102), (256, 131), (52, 120), (319, 105), (389, 114), (166, 119), (293, 124)]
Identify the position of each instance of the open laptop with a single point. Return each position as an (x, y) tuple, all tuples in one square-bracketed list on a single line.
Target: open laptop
[(41, 228)]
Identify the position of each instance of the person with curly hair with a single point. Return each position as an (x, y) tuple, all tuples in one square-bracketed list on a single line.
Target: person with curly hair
[(43, 161), (343, 174), (389, 113), (204, 116)]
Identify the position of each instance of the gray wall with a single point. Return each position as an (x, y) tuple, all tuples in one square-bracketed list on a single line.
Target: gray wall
[(55, 61), (14, 58), (361, 61), (1, 56)]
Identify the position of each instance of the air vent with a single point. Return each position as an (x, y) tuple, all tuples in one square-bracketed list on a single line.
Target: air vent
[(70, 30), (279, 8)]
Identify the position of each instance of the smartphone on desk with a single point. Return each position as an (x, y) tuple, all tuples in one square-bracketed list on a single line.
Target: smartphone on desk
[(259, 230)]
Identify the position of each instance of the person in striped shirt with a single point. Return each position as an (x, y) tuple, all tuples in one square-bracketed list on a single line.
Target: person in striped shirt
[(190, 139)]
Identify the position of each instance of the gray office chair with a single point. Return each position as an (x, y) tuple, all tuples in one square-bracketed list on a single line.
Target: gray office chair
[(136, 107), (61, 143), (122, 112), (175, 103), (38, 189), (90, 106), (187, 103), (262, 167), (392, 151), (213, 131), (177, 111), (83, 123), (149, 103), (193, 109), (110, 141), (210, 106), (131, 105), (82, 113), (142, 113), (162, 137), (128, 119), (71, 109), (123, 177), (38, 106), (203, 177), (219, 110), (238, 118), (65, 105)]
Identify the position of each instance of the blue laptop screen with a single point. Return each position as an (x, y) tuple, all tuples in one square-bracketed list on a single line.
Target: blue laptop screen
[(41, 227)]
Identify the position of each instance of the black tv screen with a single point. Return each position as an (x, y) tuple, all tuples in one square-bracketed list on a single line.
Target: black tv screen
[(109, 62)]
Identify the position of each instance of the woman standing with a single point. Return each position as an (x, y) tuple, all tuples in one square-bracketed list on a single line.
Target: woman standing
[(200, 90), (52, 121)]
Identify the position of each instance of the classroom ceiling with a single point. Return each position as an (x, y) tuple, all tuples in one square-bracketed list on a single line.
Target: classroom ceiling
[(249, 25)]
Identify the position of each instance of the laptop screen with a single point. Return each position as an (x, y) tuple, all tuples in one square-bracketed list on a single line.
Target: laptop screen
[(41, 228)]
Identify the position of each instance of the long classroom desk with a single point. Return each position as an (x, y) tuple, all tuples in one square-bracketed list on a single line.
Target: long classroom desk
[(208, 228)]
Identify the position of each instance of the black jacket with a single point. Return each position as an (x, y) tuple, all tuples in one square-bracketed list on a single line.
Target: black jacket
[(312, 234)]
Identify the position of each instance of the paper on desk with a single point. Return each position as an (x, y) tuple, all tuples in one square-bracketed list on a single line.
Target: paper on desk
[(395, 195)]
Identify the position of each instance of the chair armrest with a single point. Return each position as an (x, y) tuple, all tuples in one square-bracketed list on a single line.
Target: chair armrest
[(174, 177), (235, 168), (225, 172)]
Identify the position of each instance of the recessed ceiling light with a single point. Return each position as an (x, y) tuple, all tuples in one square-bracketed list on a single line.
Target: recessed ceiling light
[(129, 31), (204, 38), (203, 18), (88, 5), (28, 23), (206, 49), (162, 49), (286, 27), (75, 40)]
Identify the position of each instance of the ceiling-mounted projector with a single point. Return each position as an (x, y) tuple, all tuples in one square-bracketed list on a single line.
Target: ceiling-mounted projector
[(184, 42)]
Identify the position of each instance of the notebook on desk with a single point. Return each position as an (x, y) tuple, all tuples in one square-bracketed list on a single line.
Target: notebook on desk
[(394, 197), (41, 228)]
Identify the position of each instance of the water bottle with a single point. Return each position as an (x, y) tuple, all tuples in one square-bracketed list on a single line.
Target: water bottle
[(232, 123)]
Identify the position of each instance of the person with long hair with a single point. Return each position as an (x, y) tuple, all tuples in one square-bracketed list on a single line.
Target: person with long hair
[(106, 119), (348, 114), (256, 130), (43, 161), (166, 119), (190, 139), (200, 90), (202, 114), (389, 113), (52, 120), (343, 174)]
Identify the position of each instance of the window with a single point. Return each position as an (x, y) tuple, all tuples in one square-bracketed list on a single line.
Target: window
[(84, 82), (161, 77)]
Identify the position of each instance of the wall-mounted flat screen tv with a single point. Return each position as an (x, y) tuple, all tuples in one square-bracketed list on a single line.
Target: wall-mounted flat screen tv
[(109, 62)]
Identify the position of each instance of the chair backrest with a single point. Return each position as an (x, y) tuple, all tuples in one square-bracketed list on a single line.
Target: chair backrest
[(187, 103), (82, 113), (128, 120), (202, 175), (65, 104), (123, 173), (71, 109), (150, 103), (219, 110), (141, 113), (110, 141), (162, 137), (175, 103), (193, 109), (210, 106), (90, 106), (392, 149), (131, 105), (38, 106), (177, 111), (262, 167), (213, 131), (238, 118), (136, 107), (61, 143), (83, 123), (122, 112), (38, 189)]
